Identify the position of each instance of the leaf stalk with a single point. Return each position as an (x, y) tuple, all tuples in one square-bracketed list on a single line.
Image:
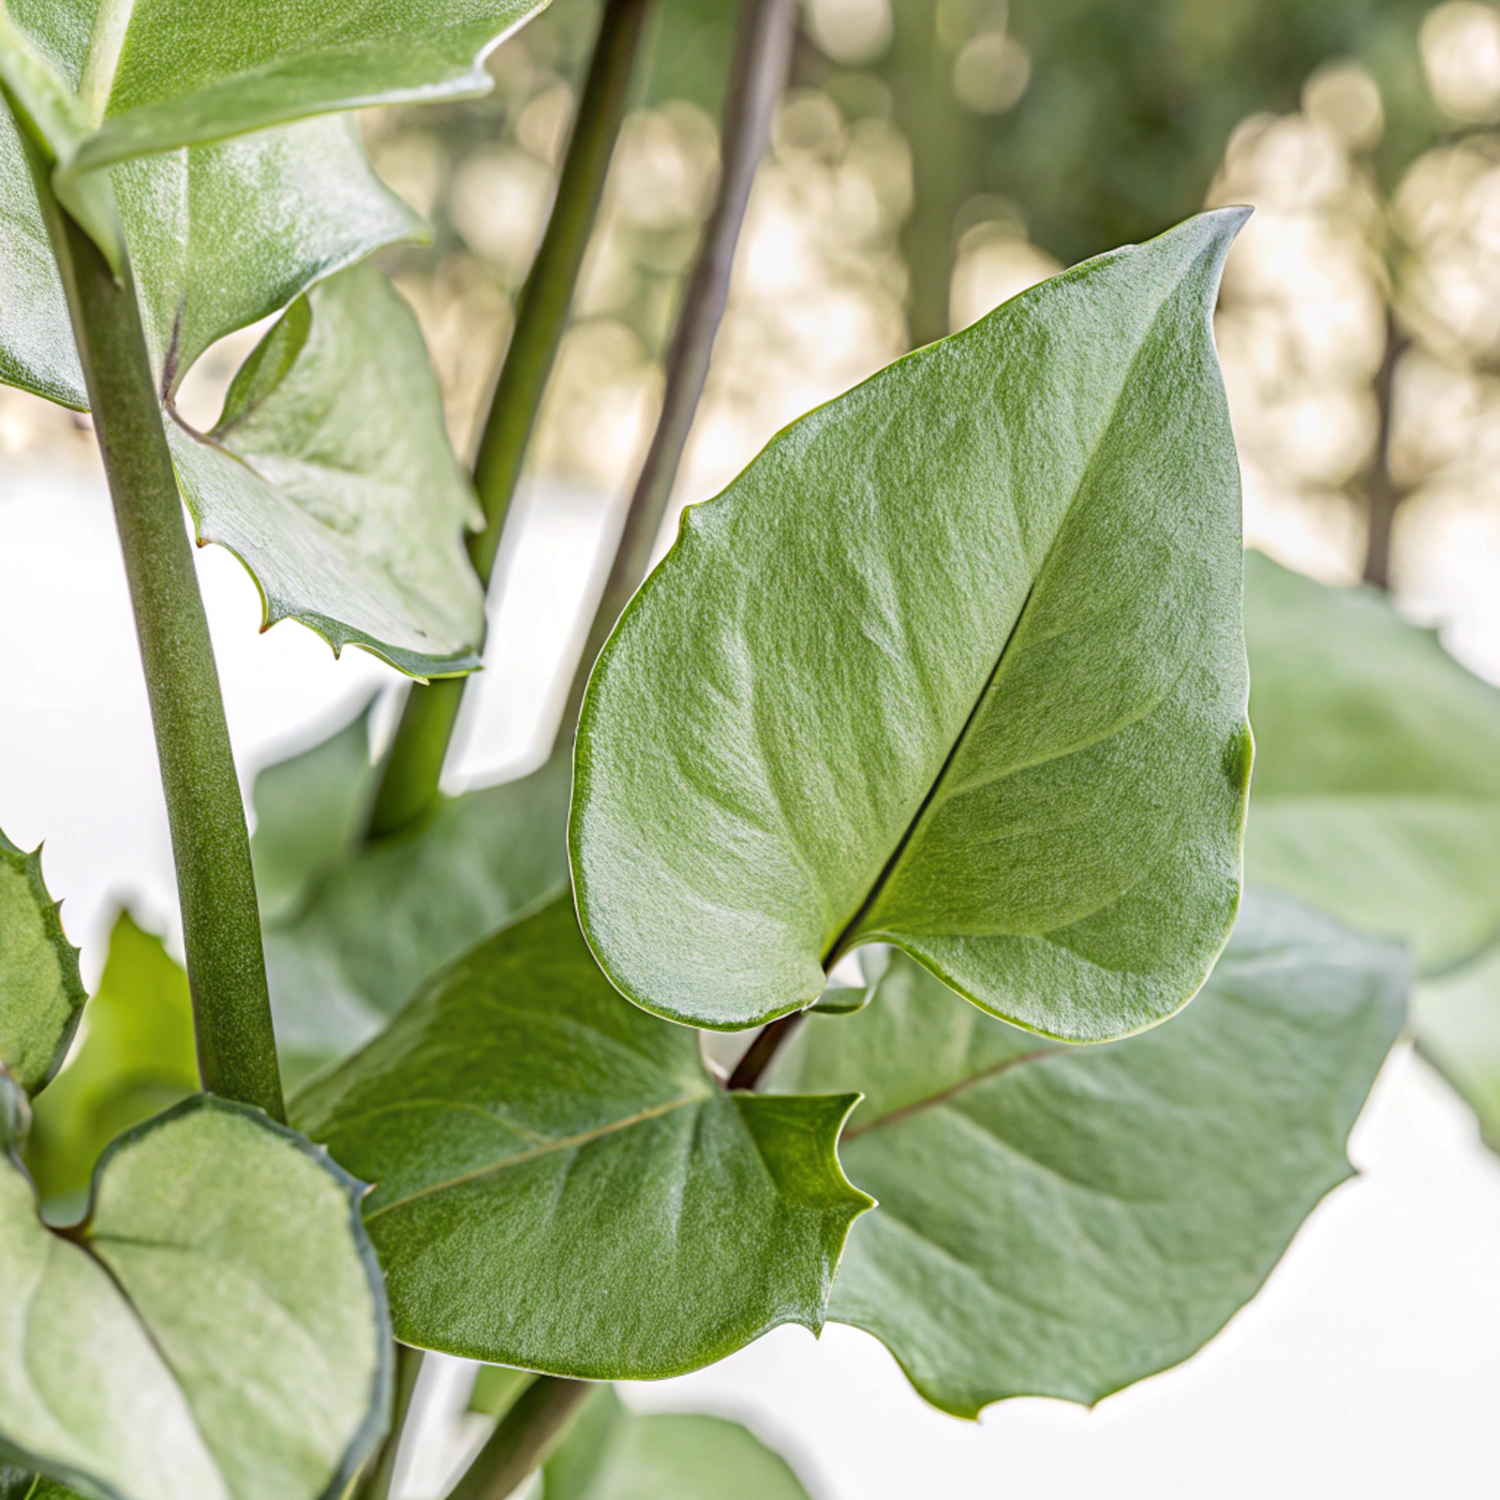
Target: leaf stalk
[(526, 1437)]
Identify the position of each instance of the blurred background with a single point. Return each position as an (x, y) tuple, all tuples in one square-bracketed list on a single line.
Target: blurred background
[(1359, 330)]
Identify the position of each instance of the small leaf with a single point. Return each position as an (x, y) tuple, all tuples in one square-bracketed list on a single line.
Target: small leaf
[(136, 1059), (215, 1331), (572, 1165), (336, 486), (611, 1453), (41, 991), (309, 815), (1377, 779), (956, 664), (379, 926), (1060, 1221)]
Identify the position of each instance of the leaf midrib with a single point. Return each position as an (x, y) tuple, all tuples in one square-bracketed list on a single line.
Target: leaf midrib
[(945, 1096), (556, 1144)]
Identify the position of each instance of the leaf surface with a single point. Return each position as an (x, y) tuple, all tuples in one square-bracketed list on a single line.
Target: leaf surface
[(613, 1453), (216, 1331), (385, 921), (41, 991), (330, 476), (1377, 781), (136, 1059), (1457, 1022), (572, 1164), (1061, 1221), (956, 664)]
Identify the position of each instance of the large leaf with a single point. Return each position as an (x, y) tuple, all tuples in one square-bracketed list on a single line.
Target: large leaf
[(1062, 1221), (215, 1331), (611, 1453), (572, 1165), (131, 79), (1457, 1021), (136, 1059), (384, 922), (955, 664), (1377, 779), (41, 992), (330, 475)]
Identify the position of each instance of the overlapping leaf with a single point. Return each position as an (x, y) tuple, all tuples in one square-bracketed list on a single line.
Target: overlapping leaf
[(1377, 780), (41, 992), (351, 522), (216, 1330), (571, 1164), (956, 664), (612, 1453), (1063, 1221)]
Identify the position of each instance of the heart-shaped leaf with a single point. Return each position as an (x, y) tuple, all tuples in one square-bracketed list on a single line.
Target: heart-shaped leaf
[(613, 1453), (956, 664), (351, 521), (41, 991), (136, 1059), (1061, 1221), (1377, 778), (215, 1330), (385, 920), (572, 1164)]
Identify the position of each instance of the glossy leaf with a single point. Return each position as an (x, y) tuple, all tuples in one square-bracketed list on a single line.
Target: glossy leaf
[(1059, 1221), (613, 1453), (382, 924), (309, 816), (956, 664), (136, 1059), (330, 475), (572, 1165), (1377, 779), (216, 1331), (41, 992)]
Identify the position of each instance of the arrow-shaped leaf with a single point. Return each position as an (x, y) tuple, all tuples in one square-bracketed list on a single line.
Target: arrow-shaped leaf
[(572, 1165), (955, 664)]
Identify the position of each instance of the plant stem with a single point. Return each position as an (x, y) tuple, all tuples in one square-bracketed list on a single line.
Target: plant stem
[(377, 1485), (747, 1071), (524, 1440), (210, 845), (1383, 494), (409, 785), (762, 55)]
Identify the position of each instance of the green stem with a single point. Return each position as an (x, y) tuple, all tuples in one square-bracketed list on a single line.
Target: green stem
[(1383, 494), (210, 844), (526, 1437), (409, 785), (762, 55), (377, 1486)]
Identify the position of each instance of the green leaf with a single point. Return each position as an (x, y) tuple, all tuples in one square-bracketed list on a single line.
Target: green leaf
[(215, 1331), (330, 476), (1457, 1021), (1377, 779), (136, 1059), (496, 1388), (611, 1453), (572, 1165), (41, 992), (1060, 1221), (381, 925), (309, 816), (956, 664), (17, 1484)]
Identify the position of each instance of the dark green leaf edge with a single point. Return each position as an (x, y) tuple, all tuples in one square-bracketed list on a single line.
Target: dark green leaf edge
[(30, 866), (372, 1429)]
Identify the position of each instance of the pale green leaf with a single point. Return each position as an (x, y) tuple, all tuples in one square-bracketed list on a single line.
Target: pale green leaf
[(386, 921), (330, 476), (41, 992), (613, 1453), (136, 1059), (496, 1389), (1062, 1221), (956, 664), (216, 1330), (1457, 1021), (1377, 775), (572, 1165)]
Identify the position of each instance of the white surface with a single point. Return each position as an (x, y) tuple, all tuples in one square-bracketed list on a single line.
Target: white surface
[(1368, 1366)]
